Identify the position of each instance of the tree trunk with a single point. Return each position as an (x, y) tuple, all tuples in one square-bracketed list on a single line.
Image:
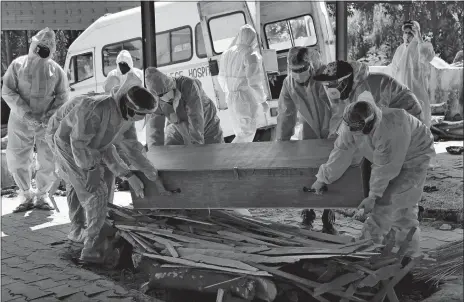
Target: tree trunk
[(9, 54), (434, 22)]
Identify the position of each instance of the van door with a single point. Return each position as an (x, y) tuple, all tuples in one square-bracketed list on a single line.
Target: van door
[(220, 22), (81, 72)]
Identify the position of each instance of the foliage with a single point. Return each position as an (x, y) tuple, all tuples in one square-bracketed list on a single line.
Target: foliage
[(374, 30), (19, 47)]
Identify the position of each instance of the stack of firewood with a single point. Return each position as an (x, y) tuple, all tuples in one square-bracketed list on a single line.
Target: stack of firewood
[(237, 258)]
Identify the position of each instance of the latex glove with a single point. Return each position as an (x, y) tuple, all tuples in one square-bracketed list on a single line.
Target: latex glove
[(151, 174), (137, 185), (367, 204), (93, 180), (317, 186), (265, 106), (32, 120)]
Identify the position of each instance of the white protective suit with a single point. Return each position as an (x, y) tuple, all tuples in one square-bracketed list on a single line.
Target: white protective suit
[(34, 88), (400, 148), (191, 115), (123, 56), (241, 77), (84, 134), (411, 67), (309, 100)]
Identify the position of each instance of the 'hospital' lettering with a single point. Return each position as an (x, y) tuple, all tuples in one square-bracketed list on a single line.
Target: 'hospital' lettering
[(199, 72)]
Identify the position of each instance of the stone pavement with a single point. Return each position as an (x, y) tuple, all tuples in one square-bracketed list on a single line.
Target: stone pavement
[(32, 269)]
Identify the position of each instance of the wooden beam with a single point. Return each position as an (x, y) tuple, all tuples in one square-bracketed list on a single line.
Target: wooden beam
[(253, 175)]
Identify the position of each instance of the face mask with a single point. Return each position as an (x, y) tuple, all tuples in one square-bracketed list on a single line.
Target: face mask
[(167, 96), (42, 51), (301, 77), (124, 68), (336, 90)]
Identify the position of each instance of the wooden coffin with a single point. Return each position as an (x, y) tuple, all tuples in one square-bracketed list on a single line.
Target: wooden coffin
[(250, 175)]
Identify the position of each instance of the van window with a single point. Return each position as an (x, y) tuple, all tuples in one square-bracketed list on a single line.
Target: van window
[(174, 46), (80, 68), (223, 30), (110, 53), (284, 34), (200, 42)]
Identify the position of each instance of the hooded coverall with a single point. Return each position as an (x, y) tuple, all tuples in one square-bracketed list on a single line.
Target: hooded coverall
[(123, 56), (411, 67), (241, 77), (400, 148), (34, 88), (84, 134), (190, 106)]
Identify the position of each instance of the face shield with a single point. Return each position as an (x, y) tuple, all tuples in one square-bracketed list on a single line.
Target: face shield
[(336, 90), (128, 104)]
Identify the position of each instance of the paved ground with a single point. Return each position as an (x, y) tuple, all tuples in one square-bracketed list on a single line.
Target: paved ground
[(32, 269)]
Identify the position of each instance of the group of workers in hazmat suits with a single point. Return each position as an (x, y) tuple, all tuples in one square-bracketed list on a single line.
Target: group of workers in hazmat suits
[(89, 140)]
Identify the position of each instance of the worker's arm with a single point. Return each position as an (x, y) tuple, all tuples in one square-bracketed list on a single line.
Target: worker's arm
[(390, 151), (287, 114), (255, 76), (156, 123), (86, 123), (61, 92), (107, 84), (112, 159), (10, 91), (399, 96), (340, 158), (134, 151), (194, 108)]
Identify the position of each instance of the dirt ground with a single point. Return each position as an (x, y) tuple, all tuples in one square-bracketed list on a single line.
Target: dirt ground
[(447, 176)]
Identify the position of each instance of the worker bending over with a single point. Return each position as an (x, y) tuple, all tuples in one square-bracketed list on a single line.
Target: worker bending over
[(83, 134), (301, 94), (348, 82), (400, 148), (125, 64), (34, 87), (241, 77), (192, 116)]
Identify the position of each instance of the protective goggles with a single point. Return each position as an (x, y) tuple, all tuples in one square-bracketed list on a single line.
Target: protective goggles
[(364, 126), (300, 69), (335, 83)]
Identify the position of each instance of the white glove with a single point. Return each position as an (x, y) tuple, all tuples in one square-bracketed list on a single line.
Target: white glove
[(32, 120), (367, 204), (317, 186), (137, 185), (151, 175)]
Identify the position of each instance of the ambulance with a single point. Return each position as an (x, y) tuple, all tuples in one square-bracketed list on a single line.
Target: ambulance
[(190, 37)]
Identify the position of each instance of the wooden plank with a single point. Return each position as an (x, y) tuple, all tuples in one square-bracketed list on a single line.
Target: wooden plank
[(207, 266), (220, 261), (253, 175)]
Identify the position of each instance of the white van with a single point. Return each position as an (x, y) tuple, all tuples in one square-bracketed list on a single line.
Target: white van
[(182, 29)]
